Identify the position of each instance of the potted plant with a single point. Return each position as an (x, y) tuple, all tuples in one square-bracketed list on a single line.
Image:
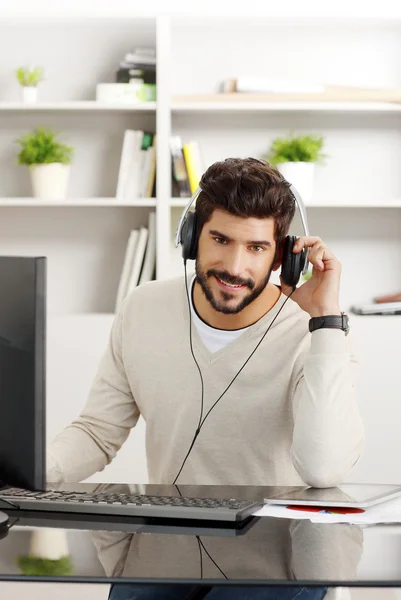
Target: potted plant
[(295, 158), (48, 161), (307, 276), (48, 554), (29, 79)]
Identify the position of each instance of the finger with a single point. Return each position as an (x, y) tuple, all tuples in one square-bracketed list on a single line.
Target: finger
[(321, 256), (306, 242), (316, 246), (316, 256)]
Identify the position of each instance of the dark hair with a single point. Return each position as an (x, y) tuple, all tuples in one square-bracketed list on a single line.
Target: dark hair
[(246, 187)]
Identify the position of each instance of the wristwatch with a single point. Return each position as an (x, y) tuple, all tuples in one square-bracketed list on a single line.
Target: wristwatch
[(330, 322)]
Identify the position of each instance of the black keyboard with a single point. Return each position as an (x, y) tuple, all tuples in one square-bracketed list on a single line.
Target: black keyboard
[(166, 507)]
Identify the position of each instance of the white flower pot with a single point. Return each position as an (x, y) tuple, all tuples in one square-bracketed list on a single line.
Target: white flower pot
[(29, 94), (50, 181), (49, 543), (301, 175)]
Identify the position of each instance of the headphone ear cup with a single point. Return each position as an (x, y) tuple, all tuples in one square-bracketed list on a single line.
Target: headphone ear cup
[(189, 237), (292, 264)]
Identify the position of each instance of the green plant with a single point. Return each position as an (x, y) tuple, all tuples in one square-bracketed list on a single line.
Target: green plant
[(307, 276), (29, 76), (305, 148), (42, 147), (32, 565)]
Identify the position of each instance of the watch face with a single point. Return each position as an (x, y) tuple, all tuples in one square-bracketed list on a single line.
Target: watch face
[(346, 323)]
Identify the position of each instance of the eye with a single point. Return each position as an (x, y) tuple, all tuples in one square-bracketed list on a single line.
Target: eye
[(257, 248), (219, 240)]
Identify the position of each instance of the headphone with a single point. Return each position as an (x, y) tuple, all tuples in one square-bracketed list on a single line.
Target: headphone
[(293, 265)]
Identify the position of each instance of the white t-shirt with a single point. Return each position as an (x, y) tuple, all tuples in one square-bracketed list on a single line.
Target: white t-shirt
[(214, 339)]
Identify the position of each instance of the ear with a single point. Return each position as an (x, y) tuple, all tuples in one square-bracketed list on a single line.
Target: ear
[(278, 258)]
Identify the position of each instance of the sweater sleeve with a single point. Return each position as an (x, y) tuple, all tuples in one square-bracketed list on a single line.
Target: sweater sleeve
[(328, 433), (92, 440)]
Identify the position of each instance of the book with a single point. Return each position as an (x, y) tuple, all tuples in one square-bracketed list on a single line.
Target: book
[(252, 83), (132, 189), (388, 298), (373, 308), (149, 262), (127, 153), (137, 165), (150, 189), (147, 140), (127, 268), (194, 163), (181, 186), (138, 259)]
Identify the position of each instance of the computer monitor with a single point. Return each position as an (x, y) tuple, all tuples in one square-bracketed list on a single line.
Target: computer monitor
[(22, 372)]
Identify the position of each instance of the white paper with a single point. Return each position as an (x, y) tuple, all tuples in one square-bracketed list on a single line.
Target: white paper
[(384, 512), (281, 512)]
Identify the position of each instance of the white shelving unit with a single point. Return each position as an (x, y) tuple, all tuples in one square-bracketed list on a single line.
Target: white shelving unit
[(359, 187), (76, 202), (86, 105), (358, 190), (218, 106), (396, 203), (84, 237), (357, 203)]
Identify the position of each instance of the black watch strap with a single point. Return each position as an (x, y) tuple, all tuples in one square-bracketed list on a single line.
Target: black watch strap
[(330, 322)]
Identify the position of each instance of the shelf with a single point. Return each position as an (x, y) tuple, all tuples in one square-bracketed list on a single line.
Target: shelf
[(375, 101), (275, 107), (396, 203), (77, 106), (79, 202)]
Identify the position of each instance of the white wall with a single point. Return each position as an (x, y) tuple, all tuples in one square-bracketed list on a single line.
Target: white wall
[(76, 343), (287, 8), (84, 248), (75, 346)]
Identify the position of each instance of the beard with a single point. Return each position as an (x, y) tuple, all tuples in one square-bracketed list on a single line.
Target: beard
[(223, 303)]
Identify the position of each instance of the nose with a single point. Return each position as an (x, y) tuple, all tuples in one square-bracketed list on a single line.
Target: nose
[(235, 261)]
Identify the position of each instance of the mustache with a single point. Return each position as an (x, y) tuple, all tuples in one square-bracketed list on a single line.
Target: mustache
[(230, 278)]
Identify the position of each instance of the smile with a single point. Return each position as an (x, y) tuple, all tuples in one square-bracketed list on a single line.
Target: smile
[(226, 285)]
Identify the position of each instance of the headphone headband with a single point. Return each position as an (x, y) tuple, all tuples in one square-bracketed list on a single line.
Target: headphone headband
[(304, 219), (298, 200), (184, 214)]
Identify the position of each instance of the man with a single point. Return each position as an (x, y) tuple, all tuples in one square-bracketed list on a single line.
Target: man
[(235, 390)]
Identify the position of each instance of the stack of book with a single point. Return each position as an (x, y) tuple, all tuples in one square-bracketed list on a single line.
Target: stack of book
[(139, 68), (137, 172), (139, 260), (187, 166)]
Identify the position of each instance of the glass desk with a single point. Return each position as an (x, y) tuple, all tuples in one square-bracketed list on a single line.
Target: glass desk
[(267, 551)]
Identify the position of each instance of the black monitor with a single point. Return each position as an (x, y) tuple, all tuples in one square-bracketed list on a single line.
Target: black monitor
[(22, 372)]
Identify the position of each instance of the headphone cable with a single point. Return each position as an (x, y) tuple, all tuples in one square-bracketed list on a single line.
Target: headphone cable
[(201, 421), (200, 375), (201, 545)]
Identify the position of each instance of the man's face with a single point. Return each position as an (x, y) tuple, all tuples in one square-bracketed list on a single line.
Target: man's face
[(235, 260)]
